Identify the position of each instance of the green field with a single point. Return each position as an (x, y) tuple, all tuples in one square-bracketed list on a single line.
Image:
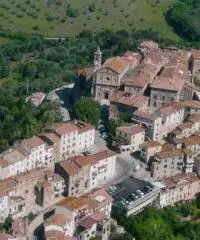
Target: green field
[(50, 18)]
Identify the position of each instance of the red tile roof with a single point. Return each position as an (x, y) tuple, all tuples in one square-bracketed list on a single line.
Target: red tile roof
[(83, 126), (32, 142), (131, 129), (132, 100), (64, 128), (138, 81), (117, 64)]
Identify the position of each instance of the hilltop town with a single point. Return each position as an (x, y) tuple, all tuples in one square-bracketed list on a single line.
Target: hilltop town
[(68, 178)]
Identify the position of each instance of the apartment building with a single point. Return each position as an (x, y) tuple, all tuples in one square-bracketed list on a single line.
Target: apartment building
[(89, 213), (133, 136), (84, 173), (18, 195), (149, 149), (172, 116), (151, 123), (172, 162), (182, 187), (62, 139)]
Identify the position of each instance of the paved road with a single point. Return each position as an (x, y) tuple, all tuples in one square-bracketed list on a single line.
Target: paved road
[(62, 95)]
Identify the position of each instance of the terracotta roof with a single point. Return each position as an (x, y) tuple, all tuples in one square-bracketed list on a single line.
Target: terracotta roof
[(167, 147), (180, 179), (57, 235), (168, 83), (170, 153), (192, 140), (83, 126), (145, 115), (138, 81), (11, 156), (103, 155), (49, 137), (149, 44), (86, 71), (56, 219), (64, 128), (191, 104), (87, 222), (131, 129), (70, 167), (82, 161), (196, 54), (100, 196), (151, 144), (6, 186), (30, 175), (117, 64), (75, 203), (73, 165), (129, 99), (170, 108), (32, 142)]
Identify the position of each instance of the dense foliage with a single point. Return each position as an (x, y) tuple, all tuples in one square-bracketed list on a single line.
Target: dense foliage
[(88, 110), (20, 120), (184, 17), (180, 222)]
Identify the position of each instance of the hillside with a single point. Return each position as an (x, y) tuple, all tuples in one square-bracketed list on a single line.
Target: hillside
[(69, 17)]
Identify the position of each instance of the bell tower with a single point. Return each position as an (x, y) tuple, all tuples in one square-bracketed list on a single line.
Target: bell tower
[(97, 58)]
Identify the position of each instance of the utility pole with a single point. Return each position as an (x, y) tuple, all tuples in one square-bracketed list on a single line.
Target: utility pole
[(27, 86)]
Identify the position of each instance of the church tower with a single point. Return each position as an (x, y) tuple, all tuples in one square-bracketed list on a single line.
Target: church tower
[(97, 58)]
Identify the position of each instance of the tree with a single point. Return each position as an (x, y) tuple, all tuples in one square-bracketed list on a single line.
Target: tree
[(111, 130), (88, 110), (31, 216), (198, 200), (8, 223)]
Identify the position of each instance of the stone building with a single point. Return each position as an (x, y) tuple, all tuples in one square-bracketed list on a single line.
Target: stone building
[(168, 85), (125, 104), (196, 65)]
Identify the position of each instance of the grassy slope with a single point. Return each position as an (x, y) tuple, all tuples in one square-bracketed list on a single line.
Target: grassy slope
[(112, 14)]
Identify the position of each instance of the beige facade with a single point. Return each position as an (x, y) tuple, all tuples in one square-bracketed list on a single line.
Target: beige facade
[(182, 187), (134, 136), (149, 149), (84, 173)]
